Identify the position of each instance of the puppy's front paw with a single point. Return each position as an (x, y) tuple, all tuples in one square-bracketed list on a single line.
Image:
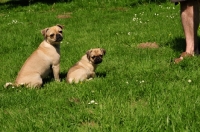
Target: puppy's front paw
[(89, 79), (92, 75)]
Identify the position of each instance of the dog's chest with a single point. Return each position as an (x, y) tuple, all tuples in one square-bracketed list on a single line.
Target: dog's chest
[(51, 52)]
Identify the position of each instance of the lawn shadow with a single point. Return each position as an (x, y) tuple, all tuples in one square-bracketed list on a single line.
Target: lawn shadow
[(101, 74), (178, 44), (141, 2), (15, 3), (50, 78), (98, 74), (63, 76)]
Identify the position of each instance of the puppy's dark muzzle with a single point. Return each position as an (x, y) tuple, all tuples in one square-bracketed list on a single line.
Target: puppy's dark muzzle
[(58, 38), (97, 60)]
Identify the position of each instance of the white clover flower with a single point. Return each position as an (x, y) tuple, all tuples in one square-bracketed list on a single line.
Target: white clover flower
[(142, 81), (129, 33), (92, 102), (168, 7), (14, 21), (189, 81), (135, 19), (142, 13)]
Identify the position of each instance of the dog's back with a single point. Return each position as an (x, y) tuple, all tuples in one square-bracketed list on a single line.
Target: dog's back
[(37, 66)]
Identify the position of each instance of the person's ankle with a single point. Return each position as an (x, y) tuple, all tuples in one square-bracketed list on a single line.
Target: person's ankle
[(188, 53)]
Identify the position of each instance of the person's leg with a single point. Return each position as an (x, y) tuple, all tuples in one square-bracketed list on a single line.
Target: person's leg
[(190, 22)]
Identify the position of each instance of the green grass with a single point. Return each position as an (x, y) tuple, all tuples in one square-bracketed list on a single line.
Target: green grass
[(135, 89)]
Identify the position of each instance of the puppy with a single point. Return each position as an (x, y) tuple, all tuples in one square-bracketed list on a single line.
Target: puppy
[(85, 68), (42, 61)]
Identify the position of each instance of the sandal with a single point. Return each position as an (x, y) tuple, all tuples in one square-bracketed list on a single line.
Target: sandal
[(183, 55)]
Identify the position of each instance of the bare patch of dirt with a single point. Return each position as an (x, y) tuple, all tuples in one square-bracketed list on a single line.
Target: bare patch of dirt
[(153, 45), (74, 100), (91, 124), (64, 16), (119, 9)]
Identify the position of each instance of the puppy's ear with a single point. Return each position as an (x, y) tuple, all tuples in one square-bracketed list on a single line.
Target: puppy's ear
[(61, 26), (103, 51), (44, 31), (88, 54)]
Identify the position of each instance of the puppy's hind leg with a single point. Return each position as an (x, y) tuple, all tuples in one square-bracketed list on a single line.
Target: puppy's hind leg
[(37, 83), (8, 84)]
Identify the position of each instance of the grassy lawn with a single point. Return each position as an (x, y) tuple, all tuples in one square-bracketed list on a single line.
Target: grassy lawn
[(136, 89)]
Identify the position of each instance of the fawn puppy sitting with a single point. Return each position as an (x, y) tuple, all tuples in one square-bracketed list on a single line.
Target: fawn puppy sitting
[(44, 60), (84, 69)]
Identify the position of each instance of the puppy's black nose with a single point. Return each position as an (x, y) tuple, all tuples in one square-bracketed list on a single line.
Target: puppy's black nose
[(97, 60), (58, 38)]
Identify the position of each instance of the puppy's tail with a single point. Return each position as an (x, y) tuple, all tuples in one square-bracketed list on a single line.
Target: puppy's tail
[(9, 84)]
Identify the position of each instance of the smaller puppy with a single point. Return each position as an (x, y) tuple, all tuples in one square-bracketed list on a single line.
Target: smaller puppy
[(42, 61), (85, 68)]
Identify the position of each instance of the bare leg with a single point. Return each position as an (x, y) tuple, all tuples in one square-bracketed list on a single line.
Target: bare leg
[(190, 22)]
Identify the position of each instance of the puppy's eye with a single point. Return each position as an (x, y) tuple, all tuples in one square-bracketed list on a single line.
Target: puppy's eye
[(93, 57), (101, 56), (51, 35), (60, 32)]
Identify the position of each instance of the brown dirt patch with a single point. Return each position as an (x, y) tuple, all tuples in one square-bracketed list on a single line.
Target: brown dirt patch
[(64, 16), (119, 9), (148, 45)]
